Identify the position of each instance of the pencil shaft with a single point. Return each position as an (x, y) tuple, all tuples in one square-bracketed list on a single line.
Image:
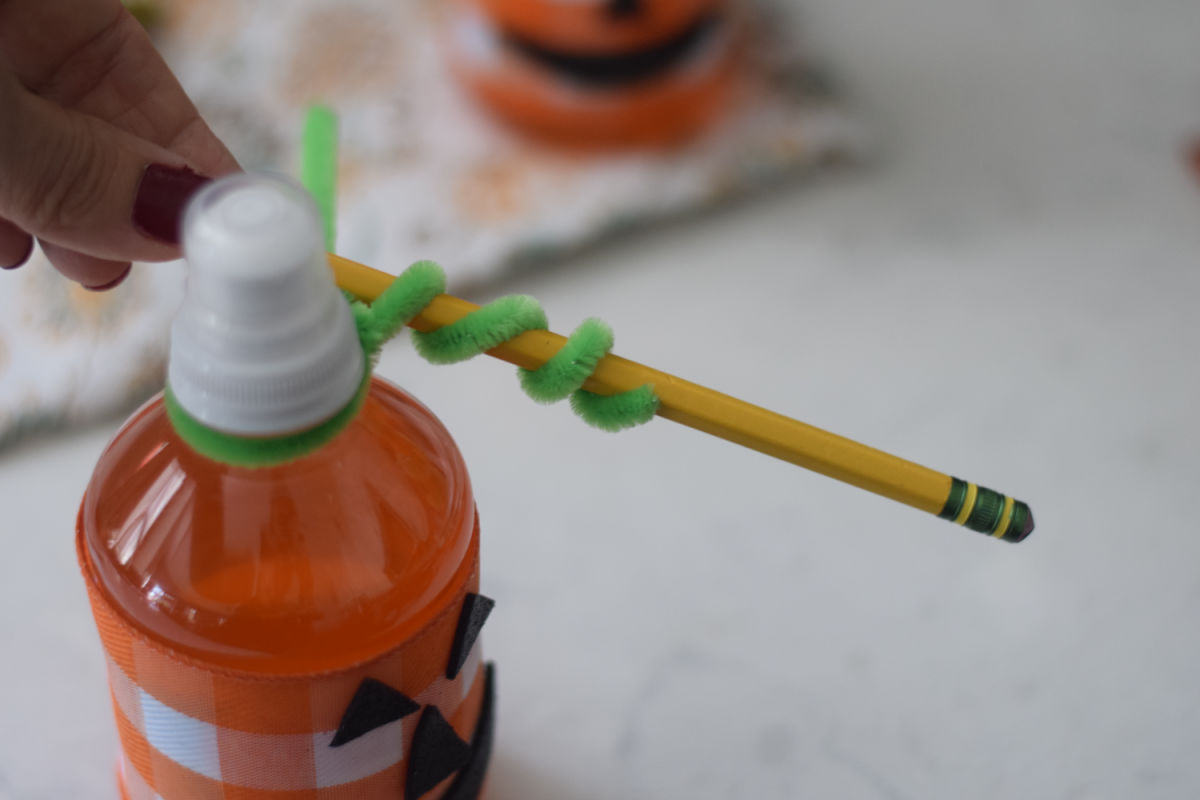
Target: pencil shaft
[(697, 407)]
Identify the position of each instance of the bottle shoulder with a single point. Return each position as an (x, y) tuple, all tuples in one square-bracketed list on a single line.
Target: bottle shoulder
[(348, 547)]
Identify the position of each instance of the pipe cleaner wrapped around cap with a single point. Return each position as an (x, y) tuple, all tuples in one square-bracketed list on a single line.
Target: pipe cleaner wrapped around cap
[(269, 360)]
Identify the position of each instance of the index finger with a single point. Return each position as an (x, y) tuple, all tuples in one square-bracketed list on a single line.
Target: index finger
[(93, 56)]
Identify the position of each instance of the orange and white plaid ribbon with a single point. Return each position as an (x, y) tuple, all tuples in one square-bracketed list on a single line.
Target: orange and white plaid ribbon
[(193, 732)]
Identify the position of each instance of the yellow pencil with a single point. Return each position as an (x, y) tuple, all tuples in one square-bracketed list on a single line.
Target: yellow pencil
[(967, 504)]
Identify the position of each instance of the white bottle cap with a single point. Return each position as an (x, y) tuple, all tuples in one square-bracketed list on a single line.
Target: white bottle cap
[(264, 343)]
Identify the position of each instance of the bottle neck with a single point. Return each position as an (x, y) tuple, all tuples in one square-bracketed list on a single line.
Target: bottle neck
[(240, 450)]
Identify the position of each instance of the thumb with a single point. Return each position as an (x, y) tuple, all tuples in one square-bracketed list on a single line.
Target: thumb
[(82, 184)]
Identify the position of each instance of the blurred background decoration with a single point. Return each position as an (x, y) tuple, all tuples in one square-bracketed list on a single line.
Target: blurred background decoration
[(605, 73), (718, 102)]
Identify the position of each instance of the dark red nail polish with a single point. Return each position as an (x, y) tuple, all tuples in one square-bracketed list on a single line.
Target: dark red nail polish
[(161, 198), (114, 283), (21, 261)]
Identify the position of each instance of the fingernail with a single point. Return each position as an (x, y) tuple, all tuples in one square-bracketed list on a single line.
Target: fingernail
[(21, 261), (114, 283), (162, 196)]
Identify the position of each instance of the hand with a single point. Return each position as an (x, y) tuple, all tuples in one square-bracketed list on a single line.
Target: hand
[(99, 146)]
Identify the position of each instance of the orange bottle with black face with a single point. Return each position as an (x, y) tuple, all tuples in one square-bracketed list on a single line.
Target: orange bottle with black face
[(600, 73), (298, 618)]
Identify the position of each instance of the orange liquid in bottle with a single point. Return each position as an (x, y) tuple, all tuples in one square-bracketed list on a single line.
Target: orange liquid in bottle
[(300, 631), (309, 566)]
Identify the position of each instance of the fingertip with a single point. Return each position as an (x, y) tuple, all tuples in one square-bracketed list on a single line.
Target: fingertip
[(24, 258), (90, 272), (16, 246), (114, 283), (163, 194)]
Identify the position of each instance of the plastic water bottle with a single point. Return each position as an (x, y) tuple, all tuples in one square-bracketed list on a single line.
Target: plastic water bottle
[(306, 629)]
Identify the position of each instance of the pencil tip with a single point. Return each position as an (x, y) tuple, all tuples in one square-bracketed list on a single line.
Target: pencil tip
[(1021, 531)]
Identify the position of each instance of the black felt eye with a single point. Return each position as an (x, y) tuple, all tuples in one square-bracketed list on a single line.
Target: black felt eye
[(623, 9), (474, 613)]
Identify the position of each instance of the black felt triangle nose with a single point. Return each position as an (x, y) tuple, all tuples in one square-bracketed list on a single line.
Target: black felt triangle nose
[(374, 705), (475, 610), (437, 753)]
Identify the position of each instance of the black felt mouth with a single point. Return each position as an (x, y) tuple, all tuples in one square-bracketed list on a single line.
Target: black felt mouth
[(620, 69)]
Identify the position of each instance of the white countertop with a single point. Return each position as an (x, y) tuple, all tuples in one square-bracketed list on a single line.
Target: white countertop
[(1009, 296)]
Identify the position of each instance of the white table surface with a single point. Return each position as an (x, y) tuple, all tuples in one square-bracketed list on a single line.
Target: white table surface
[(1009, 295)]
